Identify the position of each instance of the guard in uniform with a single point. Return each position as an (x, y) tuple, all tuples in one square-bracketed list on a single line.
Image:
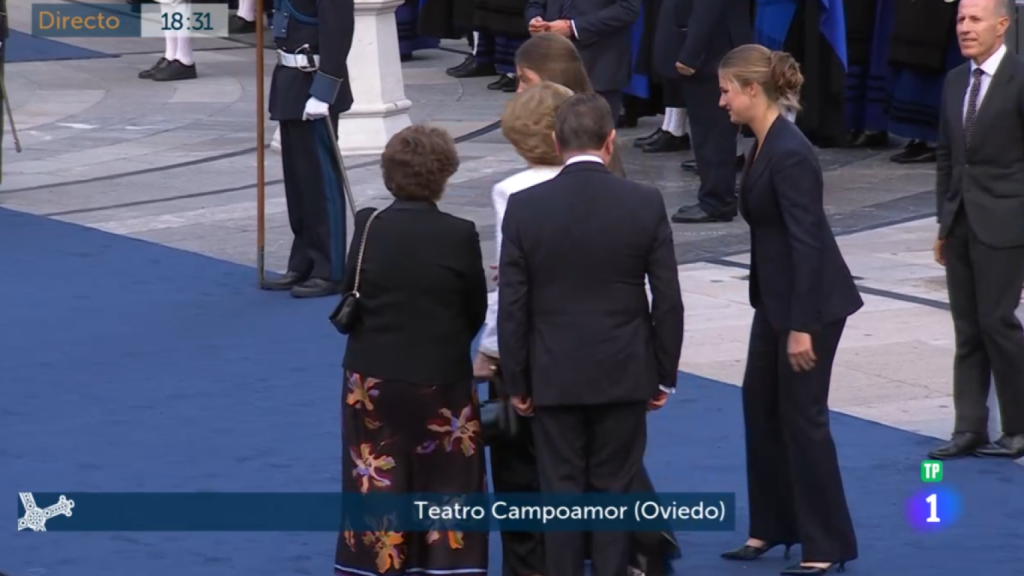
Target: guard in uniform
[(176, 63), (310, 88)]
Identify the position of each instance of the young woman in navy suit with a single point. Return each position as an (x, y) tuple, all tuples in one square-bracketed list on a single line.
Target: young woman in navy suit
[(802, 293)]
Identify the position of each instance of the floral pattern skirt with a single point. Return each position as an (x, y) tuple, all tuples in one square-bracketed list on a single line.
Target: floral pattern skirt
[(400, 437)]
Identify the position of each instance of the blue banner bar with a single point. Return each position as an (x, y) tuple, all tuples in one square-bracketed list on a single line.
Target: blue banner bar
[(85, 21), (334, 512)]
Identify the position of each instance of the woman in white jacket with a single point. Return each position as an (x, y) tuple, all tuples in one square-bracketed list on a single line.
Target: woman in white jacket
[(528, 124)]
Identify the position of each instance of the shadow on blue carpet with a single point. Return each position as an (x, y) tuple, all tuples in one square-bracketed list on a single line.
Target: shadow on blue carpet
[(22, 47), (128, 366)]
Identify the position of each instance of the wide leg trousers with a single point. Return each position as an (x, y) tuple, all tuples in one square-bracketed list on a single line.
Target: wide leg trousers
[(793, 480)]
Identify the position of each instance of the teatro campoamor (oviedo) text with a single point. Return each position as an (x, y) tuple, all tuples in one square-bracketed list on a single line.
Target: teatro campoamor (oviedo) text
[(640, 511)]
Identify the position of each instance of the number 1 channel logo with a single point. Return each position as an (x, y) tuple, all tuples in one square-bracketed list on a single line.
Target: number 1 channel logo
[(935, 506)]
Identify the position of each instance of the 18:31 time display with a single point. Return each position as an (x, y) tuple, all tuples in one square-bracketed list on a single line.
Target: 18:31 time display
[(194, 22)]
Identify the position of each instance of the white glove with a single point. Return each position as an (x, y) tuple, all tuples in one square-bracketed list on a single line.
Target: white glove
[(316, 109)]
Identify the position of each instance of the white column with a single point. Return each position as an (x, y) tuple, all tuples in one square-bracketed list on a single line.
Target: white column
[(380, 108)]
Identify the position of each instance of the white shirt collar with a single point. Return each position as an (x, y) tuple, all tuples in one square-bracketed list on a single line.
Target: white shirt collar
[(584, 158), (992, 64)]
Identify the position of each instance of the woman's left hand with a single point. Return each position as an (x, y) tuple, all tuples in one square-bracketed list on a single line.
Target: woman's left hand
[(801, 351)]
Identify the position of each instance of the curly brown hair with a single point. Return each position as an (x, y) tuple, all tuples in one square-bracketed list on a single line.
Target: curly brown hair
[(529, 122), (417, 163)]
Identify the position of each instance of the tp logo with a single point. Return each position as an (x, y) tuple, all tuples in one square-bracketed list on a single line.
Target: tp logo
[(36, 517)]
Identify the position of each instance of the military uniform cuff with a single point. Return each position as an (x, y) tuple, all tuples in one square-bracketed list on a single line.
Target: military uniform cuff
[(324, 88)]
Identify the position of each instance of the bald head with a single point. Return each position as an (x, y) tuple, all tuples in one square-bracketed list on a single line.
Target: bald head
[(981, 27)]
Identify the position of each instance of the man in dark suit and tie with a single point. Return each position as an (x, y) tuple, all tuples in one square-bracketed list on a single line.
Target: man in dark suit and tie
[(705, 32), (582, 348), (980, 209), (601, 31)]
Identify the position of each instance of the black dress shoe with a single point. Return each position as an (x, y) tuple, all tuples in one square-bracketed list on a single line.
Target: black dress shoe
[(870, 140), (697, 215), (626, 121), (691, 165), (504, 83), (639, 142), (667, 142), (465, 64), (148, 74), (1008, 446), (316, 288), (239, 25), (511, 87), (173, 71), (960, 445), (475, 70), (915, 152), (800, 569), (286, 282), (748, 552)]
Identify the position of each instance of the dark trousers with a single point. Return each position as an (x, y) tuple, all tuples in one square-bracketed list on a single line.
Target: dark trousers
[(313, 188), (793, 480), (984, 286), (714, 145), (614, 100), (589, 449), (514, 469)]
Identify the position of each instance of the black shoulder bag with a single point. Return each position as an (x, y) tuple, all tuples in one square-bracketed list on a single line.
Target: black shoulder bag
[(345, 316)]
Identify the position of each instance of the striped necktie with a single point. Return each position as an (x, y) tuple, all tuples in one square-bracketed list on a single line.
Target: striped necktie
[(972, 104)]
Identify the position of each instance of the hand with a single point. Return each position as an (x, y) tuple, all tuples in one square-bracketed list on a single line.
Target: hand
[(495, 277), (538, 25), (939, 251), (684, 70), (484, 367), (522, 405), (562, 27), (801, 352), (658, 401), (316, 109)]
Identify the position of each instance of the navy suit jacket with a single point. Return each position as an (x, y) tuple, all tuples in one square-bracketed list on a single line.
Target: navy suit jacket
[(798, 277), (699, 33), (605, 29)]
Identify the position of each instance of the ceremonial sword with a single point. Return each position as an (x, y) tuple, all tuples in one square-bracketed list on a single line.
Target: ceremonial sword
[(341, 166), (7, 105)]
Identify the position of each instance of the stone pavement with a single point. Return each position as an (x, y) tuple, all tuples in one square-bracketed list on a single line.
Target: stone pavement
[(175, 164)]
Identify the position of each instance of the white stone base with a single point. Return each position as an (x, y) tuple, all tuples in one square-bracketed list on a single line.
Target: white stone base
[(380, 107), (367, 129)]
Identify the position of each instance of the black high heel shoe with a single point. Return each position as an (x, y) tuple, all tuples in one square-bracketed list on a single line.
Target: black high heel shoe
[(800, 570), (748, 552)]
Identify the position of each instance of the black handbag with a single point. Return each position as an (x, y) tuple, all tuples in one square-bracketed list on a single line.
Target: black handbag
[(499, 420), (345, 316)]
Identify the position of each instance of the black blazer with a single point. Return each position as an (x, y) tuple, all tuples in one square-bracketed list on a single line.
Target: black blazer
[(574, 323), (699, 33), (797, 275), (423, 295), (987, 177), (605, 42)]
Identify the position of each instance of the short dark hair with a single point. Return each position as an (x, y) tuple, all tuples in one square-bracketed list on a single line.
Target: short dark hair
[(583, 122), (417, 163)]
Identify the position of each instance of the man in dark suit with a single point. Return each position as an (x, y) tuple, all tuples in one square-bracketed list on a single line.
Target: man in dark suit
[(581, 346), (980, 209), (601, 31), (705, 32)]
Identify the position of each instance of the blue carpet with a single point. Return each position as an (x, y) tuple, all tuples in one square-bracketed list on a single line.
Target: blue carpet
[(22, 47), (127, 366)]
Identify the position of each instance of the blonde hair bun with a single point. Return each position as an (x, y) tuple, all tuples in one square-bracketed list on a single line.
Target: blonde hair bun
[(785, 75)]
